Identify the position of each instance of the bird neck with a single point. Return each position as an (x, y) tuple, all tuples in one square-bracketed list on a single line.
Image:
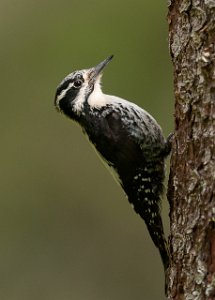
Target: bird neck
[(97, 98)]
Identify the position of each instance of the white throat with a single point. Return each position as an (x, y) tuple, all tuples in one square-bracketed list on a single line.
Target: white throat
[(97, 99)]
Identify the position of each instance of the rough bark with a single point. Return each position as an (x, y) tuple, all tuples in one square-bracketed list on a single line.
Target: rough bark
[(192, 176)]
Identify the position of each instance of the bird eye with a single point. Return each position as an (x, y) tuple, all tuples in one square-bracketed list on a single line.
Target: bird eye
[(77, 83)]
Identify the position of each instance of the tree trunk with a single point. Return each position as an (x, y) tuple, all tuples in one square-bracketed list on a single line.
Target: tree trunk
[(191, 191)]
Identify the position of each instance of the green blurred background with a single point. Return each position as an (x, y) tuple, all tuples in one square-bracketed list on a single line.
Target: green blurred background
[(66, 229)]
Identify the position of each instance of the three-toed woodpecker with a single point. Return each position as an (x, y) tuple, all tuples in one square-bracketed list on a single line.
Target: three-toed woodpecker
[(127, 137)]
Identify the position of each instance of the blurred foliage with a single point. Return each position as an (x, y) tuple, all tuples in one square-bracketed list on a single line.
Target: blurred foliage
[(66, 229)]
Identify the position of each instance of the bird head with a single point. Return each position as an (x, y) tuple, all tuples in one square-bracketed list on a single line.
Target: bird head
[(75, 88)]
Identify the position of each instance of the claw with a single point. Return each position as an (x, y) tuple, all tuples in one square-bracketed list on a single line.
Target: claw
[(169, 143)]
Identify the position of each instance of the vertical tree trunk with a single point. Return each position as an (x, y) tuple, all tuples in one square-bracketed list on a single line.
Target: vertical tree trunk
[(191, 190)]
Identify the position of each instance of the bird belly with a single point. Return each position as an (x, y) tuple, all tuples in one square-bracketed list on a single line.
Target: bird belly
[(108, 165)]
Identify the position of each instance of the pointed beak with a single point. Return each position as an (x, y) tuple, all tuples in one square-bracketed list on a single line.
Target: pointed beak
[(96, 71)]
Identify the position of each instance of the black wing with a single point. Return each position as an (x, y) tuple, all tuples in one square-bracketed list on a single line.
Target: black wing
[(140, 169)]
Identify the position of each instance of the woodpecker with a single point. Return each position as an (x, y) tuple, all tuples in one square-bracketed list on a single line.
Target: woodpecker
[(128, 139)]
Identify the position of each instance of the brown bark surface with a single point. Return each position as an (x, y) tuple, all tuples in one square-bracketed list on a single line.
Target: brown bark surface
[(192, 177)]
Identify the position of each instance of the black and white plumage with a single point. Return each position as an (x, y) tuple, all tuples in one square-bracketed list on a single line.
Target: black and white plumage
[(128, 139)]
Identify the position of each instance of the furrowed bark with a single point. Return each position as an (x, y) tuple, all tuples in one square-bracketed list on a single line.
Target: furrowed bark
[(191, 191)]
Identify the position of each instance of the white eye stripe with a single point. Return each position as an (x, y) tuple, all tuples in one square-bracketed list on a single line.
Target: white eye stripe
[(63, 93)]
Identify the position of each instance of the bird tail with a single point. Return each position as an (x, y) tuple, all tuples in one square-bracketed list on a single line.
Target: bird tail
[(144, 192), (152, 217)]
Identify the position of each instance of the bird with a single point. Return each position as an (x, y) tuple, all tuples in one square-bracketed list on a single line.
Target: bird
[(128, 139)]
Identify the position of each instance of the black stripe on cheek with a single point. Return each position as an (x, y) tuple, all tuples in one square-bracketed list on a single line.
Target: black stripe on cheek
[(66, 102)]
